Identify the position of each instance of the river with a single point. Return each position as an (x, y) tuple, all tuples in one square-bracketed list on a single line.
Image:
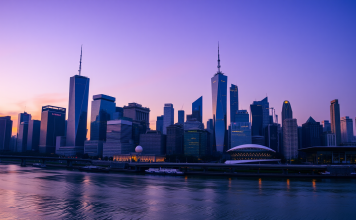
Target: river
[(51, 193)]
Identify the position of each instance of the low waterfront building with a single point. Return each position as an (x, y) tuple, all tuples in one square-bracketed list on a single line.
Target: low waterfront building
[(93, 148), (330, 154), (251, 152), (139, 156), (153, 142)]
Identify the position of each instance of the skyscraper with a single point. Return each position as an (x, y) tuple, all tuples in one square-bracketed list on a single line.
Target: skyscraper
[(5, 133), (22, 137), (347, 131), (77, 109), (197, 109), (234, 102), (286, 111), (240, 133), (312, 133), (159, 124), (23, 117), (219, 94), (290, 138), (52, 125), (138, 113), (256, 119), (153, 142), (33, 136), (168, 117), (335, 120), (102, 110), (174, 140), (326, 126), (181, 117)]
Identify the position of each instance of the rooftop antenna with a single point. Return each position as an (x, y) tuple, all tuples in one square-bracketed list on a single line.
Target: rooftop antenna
[(80, 62), (219, 66), (182, 106)]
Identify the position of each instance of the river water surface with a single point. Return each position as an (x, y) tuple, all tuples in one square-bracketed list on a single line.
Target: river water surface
[(35, 193)]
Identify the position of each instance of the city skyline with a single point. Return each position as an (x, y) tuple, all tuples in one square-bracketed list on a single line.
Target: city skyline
[(295, 77)]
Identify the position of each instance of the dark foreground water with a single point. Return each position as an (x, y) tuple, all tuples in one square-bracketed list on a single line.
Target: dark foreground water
[(34, 193)]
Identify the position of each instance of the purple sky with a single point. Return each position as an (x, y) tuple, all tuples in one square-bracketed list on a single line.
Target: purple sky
[(156, 52)]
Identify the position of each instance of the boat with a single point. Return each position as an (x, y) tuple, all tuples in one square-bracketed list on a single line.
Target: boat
[(164, 171), (39, 165), (325, 173), (94, 169)]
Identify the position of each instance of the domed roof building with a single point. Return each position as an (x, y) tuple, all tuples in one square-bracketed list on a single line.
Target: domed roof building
[(251, 152)]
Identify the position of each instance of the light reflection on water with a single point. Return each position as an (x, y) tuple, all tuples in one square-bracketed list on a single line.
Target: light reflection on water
[(34, 193)]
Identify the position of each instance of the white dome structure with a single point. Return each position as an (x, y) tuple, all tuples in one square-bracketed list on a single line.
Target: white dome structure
[(138, 149), (250, 147)]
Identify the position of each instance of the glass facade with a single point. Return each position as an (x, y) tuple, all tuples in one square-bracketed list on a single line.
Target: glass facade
[(256, 119), (272, 137), (5, 132), (22, 137), (102, 110), (196, 143), (265, 113), (241, 116), (77, 110), (23, 117), (234, 102), (52, 125), (181, 117), (159, 124), (219, 93), (335, 120), (33, 137), (240, 134), (330, 155), (312, 133), (197, 109), (286, 111), (168, 118)]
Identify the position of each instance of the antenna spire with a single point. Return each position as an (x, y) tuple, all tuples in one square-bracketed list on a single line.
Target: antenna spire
[(80, 62), (219, 59)]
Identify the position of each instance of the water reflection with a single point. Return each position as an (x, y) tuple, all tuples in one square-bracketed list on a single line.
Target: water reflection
[(33, 193)]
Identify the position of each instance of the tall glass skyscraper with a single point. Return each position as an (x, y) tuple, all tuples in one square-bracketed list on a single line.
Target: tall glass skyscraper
[(234, 102), (102, 110), (256, 119), (197, 109), (181, 117), (265, 113), (5, 132), (286, 111), (168, 117), (77, 110), (219, 93), (335, 120), (23, 117), (159, 124)]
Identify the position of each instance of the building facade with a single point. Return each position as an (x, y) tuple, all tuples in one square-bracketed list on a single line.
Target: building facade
[(272, 137), (137, 113), (335, 120), (326, 126), (103, 108), (196, 143), (52, 125), (346, 128), (234, 102), (22, 117), (240, 134), (159, 124), (290, 139), (256, 120), (197, 109), (286, 111), (168, 117), (22, 137), (181, 117), (312, 133), (153, 142), (77, 110), (5, 133), (33, 136), (174, 139)]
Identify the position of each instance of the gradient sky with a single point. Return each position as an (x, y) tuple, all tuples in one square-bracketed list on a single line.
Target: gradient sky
[(156, 52)]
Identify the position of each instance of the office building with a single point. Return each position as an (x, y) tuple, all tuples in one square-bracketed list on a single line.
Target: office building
[(193, 124), (22, 137), (219, 95), (240, 134), (286, 111), (137, 113), (272, 137), (77, 110), (312, 133), (5, 133), (326, 126), (153, 142), (241, 116), (159, 124), (197, 109), (33, 136), (181, 117), (93, 148), (13, 143), (119, 113), (174, 139), (118, 138), (335, 120), (329, 139), (347, 131), (210, 125), (168, 117), (196, 143), (52, 125), (234, 102), (290, 138), (103, 108), (256, 120), (22, 117), (265, 113)]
